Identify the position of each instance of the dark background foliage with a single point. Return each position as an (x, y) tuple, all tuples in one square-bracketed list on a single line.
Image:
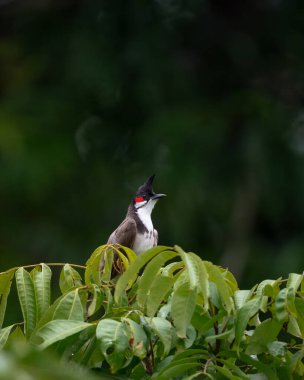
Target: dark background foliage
[(96, 96)]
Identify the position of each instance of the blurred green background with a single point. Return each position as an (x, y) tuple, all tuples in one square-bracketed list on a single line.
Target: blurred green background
[(95, 96)]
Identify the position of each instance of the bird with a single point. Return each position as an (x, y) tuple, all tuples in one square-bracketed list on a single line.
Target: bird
[(137, 231)]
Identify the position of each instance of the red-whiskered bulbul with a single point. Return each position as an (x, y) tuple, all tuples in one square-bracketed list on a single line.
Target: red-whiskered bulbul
[(137, 231)]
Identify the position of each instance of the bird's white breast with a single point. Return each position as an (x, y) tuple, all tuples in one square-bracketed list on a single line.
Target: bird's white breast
[(144, 241), (147, 239)]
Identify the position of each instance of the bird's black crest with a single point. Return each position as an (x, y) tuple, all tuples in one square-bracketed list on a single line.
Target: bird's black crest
[(146, 188)]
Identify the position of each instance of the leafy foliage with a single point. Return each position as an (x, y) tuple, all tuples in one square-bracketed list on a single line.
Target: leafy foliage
[(169, 315)]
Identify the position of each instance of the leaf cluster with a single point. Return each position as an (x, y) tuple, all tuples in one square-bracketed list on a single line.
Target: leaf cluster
[(167, 315)]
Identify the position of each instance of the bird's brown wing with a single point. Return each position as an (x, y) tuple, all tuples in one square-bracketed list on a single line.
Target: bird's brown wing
[(125, 233)]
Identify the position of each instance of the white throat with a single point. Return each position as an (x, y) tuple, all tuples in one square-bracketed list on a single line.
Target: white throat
[(144, 214)]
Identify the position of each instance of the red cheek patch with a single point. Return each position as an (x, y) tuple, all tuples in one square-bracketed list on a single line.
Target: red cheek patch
[(139, 199)]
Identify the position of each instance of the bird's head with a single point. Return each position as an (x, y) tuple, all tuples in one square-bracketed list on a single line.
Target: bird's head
[(145, 197)]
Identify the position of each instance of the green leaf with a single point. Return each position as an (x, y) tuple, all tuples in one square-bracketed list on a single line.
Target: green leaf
[(59, 329), (113, 342), (261, 367), (148, 277), (242, 317), (69, 279), (177, 370), (182, 309), (293, 327), (280, 305), (226, 372), (130, 275), (4, 334), (27, 298), (68, 306), (216, 276), (264, 334), (277, 348), (137, 338), (294, 281), (203, 284), (96, 299), (6, 279), (191, 267), (164, 330), (160, 287), (92, 272), (241, 297), (41, 276)]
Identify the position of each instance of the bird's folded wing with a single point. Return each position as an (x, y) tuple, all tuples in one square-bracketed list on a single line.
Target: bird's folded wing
[(125, 233)]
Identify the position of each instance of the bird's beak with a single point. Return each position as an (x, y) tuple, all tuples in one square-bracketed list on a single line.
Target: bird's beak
[(157, 196)]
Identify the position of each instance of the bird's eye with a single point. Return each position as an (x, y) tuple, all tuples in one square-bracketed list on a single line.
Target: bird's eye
[(139, 199)]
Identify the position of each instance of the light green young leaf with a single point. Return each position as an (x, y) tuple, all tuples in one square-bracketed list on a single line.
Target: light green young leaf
[(148, 277), (182, 309), (59, 329), (6, 279), (130, 275), (27, 299), (41, 276), (69, 279), (113, 341), (4, 334)]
